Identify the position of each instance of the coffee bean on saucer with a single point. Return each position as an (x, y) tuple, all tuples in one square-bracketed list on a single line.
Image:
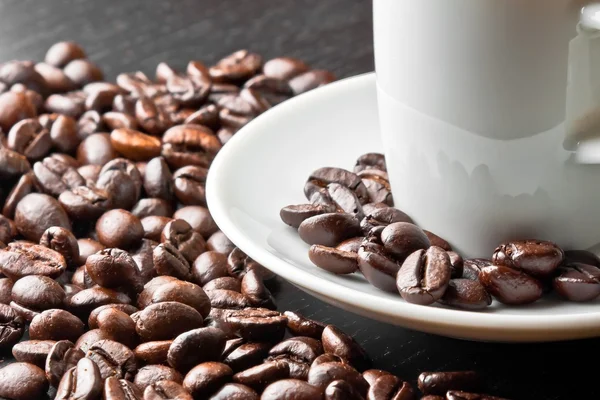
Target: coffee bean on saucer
[(378, 186), (377, 266), (370, 161), (510, 286), (456, 264), (536, 257), (472, 267), (329, 229), (324, 176), (441, 382), (402, 239), (12, 377), (383, 217), (80, 382), (424, 276), (578, 282), (333, 260), (467, 294)]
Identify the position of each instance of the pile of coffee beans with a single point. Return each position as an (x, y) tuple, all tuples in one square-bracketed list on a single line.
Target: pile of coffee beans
[(115, 282), (352, 226)]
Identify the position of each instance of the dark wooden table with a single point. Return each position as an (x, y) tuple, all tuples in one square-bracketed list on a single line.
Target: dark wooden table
[(128, 35)]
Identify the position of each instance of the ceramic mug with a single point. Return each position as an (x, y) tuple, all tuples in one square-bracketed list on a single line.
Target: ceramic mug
[(472, 100)]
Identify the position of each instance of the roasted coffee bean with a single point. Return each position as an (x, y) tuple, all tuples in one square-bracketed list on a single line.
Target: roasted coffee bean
[(84, 302), (22, 188), (152, 352), (15, 107), (299, 325), (36, 99), (333, 260), (12, 164), (456, 264), (123, 181), (64, 242), (71, 104), (22, 73), (301, 348), (310, 80), (293, 389), (168, 390), (181, 235), (204, 379), (338, 343), (142, 255), (121, 389), (63, 132), (260, 376), (188, 91), (389, 387), (118, 325), (70, 289), (82, 72), (441, 382), (26, 313), (119, 228), (196, 346), (7, 229), (85, 203), (510, 286), (166, 320), (236, 67), (329, 229), (257, 324), (62, 357), (164, 72), (383, 217), (220, 243), (96, 149), (466, 293), (256, 292), (226, 283), (371, 375), (207, 116), (6, 286), (88, 124), (158, 179), (189, 144), (245, 355), (154, 120), (237, 263), (135, 145), (38, 293), (113, 359), (33, 351), (324, 176), (424, 276), (228, 299), (327, 357), (181, 291), (578, 282), (341, 390), (119, 120), (294, 215), (153, 226), (86, 340), (80, 382), (127, 309), (224, 134), (37, 212), (208, 266), (29, 138), (472, 267), (273, 90), (284, 68), (56, 324), (56, 177), (113, 268), (377, 266), (538, 258), (370, 161), (99, 99), (378, 186), (199, 219), (23, 258), (403, 238), (235, 391), (87, 247), (61, 53), (188, 185), (322, 375), (90, 172), (169, 261), (124, 104), (136, 82), (14, 375), (155, 373), (11, 327)]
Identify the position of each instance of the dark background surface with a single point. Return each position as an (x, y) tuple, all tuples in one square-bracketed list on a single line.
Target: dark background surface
[(128, 35)]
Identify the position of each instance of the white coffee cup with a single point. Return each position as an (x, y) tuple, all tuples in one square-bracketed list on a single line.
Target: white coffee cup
[(472, 102)]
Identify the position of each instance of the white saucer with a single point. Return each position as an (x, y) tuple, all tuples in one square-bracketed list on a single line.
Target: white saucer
[(264, 167)]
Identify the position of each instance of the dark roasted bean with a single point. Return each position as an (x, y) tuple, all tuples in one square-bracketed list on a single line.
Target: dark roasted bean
[(22, 188), (166, 320), (123, 181), (236, 67), (299, 325), (510, 286), (37, 212), (6, 286), (33, 351), (208, 266), (87, 247), (189, 144), (310, 80), (118, 326), (80, 382), (460, 395), (113, 359), (294, 215), (257, 324), (341, 390), (329, 229), (181, 291), (89, 123), (188, 91), (255, 291), (378, 267), (153, 226), (188, 185), (85, 203), (466, 293), (578, 282), (29, 138), (383, 217), (403, 238), (301, 348), (227, 283), (260, 376), (220, 243), (204, 379), (472, 267), (135, 145), (23, 258), (56, 324), (38, 293), (199, 219), (113, 268), (155, 373), (181, 235), (169, 261), (82, 72), (119, 228), (167, 390), (292, 389), (235, 391), (196, 346), (284, 68), (84, 302), (370, 161), (86, 340), (11, 326), (228, 299), (64, 242), (71, 104), (536, 257), (153, 352), (96, 149), (61, 53), (333, 260), (338, 343), (322, 375), (62, 357), (371, 375), (378, 186), (390, 387), (245, 355), (424, 276), (14, 108), (12, 377), (125, 308), (121, 389), (441, 382), (55, 176)]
